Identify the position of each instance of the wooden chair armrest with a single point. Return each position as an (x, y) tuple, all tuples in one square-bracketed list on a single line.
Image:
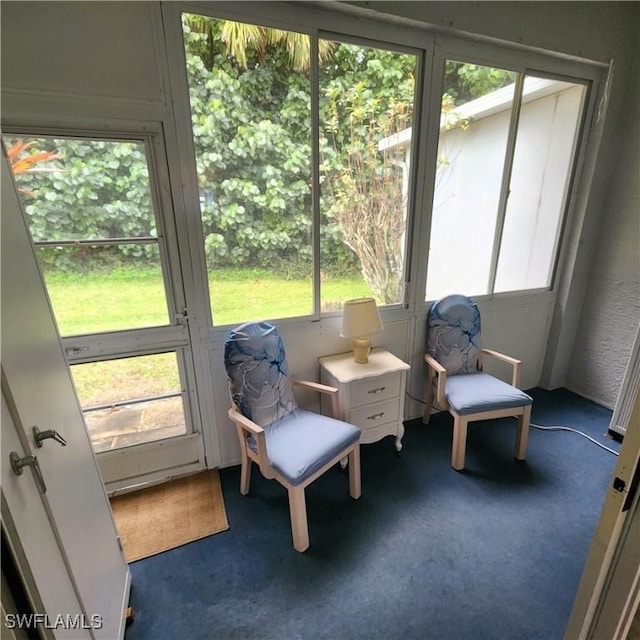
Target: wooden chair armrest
[(326, 389), (441, 372), (514, 362), (251, 428), (501, 356), (432, 362), (316, 386), (245, 423)]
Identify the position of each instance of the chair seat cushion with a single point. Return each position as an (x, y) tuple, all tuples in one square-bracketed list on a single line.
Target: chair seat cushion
[(479, 392), (303, 442)]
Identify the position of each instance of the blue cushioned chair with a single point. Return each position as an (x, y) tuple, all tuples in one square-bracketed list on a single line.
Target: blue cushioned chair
[(455, 378), (287, 443)]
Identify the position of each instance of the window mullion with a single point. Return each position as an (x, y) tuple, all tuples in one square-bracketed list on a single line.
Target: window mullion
[(125, 403), (410, 188), (506, 181), (315, 171), (96, 242)]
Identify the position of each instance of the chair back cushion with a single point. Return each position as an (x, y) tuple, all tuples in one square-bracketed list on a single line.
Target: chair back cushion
[(258, 374), (453, 334)]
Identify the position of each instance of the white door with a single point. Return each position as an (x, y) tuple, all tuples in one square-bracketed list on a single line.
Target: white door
[(37, 542), (609, 591), (37, 386)]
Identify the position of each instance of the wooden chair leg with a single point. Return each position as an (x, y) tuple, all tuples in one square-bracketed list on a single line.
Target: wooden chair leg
[(298, 511), (355, 487), (130, 616), (459, 447), (522, 433), (245, 472)]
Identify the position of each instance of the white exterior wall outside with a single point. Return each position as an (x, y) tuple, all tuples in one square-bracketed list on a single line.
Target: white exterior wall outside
[(467, 189)]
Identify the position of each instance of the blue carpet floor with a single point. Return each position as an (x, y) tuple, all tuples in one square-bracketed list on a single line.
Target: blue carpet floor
[(496, 551)]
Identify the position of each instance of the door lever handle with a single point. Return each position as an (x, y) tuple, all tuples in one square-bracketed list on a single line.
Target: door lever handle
[(39, 436), (18, 464)]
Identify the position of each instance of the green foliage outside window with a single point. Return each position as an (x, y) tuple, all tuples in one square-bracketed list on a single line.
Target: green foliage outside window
[(257, 212), (86, 190)]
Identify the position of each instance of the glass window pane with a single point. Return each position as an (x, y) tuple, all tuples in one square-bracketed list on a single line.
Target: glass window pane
[(474, 126), (81, 189), (249, 88), (104, 288), (366, 115), (75, 189), (120, 383), (543, 159)]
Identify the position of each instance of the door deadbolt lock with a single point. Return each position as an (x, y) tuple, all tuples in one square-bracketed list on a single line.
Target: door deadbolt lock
[(39, 436), (19, 463)]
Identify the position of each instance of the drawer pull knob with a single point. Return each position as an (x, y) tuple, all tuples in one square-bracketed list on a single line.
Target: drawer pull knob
[(376, 416), (378, 390)]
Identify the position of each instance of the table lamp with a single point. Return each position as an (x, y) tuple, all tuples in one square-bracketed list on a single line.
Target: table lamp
[(360, 320)]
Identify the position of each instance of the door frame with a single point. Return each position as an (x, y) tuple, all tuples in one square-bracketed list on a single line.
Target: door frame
[(152, 462), (609, 592)]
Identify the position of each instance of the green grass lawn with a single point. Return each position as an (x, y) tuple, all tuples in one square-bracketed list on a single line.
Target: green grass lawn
[(130, 299), (238, 296), (107, 301)]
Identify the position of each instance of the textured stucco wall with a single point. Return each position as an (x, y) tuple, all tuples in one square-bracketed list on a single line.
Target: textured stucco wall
[(611, 307)]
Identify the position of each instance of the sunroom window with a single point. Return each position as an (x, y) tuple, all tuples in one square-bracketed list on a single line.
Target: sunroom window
[(91, 216), (366, 106), (258, 168), (251, 117), (505, 159), (474, 131), (540, 174)]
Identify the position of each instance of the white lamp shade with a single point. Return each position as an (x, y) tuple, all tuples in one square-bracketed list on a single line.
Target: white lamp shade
[(360, 318)]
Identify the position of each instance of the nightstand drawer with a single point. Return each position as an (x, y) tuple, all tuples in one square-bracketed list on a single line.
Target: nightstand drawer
[(371, 394), (370, 390), (372, 415)]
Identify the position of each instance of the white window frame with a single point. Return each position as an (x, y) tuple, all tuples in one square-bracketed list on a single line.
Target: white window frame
[(409, 223), (508, 164), (317, 24), (435, 48), (523, 61)]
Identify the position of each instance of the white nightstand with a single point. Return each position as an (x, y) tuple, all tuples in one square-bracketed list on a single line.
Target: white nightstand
[(371, 394)]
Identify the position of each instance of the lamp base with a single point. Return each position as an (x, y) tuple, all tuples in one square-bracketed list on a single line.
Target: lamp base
[(361, 348)]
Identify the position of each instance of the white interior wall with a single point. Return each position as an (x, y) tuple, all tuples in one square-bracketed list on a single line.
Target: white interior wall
[(83, 49), (94, 61)]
